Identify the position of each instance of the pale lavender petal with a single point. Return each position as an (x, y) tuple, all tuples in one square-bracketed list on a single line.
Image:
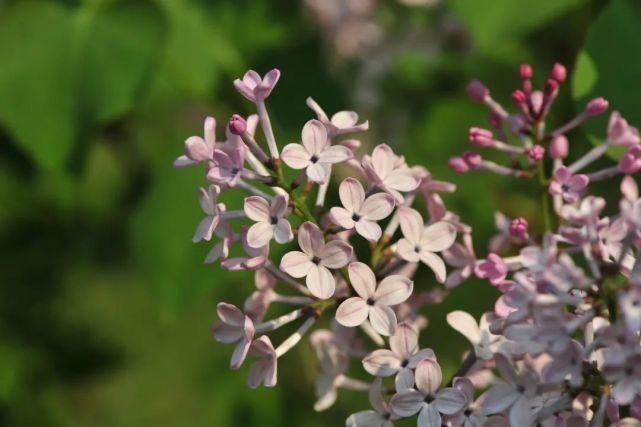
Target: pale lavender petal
[(205, 228), (295, 156), (402, 181), (449, 401), (382, 363), (407, 250), (208, 198), (369, 230), (262, 371), (438, 236), (498, 398), (383, 319), (383, 160), (521, 412), (210, 132), (227, 334), (434, 262), (367, 418), (278, 206), (344, 119), (317, 172), (377, 206), (506, 369), (336, 254), (283, 231), (411, 224), (362, 279), (426, 353), (465, 324), (342, 217), (183, 161), (335, 154), (320, 282), (197, 150), (310, 238), (376, 398), (429, 417), (244, 90), (404, 379), (240, 353), (407, 403), (256, 208), (296, 264), (404, 341), (259, 234), (314, 136), (352, 312), (230, 314), (428, 376), (351, 194), (393, 290)]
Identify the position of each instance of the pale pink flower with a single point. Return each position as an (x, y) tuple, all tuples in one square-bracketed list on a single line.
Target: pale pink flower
[(340, 123), (587, 212), (361, 213), (234, 327), (471, 414), (198, 149), (485, 342), (569, 186), (270, 220), (620, 132), (384, 171), (630, 204), (463, 258), (227, 166), (426, 399), (315, 154), (373, 301), (630, 162), (420, 243), (611, 237), (630, 304), (493, 268), (316, 259), (209, 204), (254, 257), (380, 416), (255, 88), (403, 356), (264, 370)]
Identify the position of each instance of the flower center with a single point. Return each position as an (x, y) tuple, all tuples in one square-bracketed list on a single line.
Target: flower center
[(565, 188), (273, 220), (370, 301), (520, 389), (429, 398), (234, 171), (404, 363), (316, 260), (356, 217), (314, 158), (417, 249)]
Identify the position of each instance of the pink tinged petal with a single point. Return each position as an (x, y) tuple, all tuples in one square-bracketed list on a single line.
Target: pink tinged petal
[(314, 136), (465, 324), (351, 194), (260, 234), (367, 418), (295, 156), (335, 154), (183, 161), (382, 363), (278, 206), (310, 238), (362, 279), (429, 417), (226, 334), (404, 341), (262, 372), (256, 208), (344, 119), (426, 353), (383, 319), (264, 89), (283, 231), (210, 132), (505, 368), (376, 398), (352, 312), (218, 251), (197, 150), (562, 174), (296, 264), (244, 90), (377, 207), (205, 229), (434, 262), (411, 224), (438, 236), (317, 172), (393, 290), (342, 217), (402, 181), (208, 198), (320, 282), (498, 398), (404, 379), (521, 412), (230, 314), (240, 353), (369, 230), (383, 160), (407, 250), (578, 182), (449, 401), (336, 254), (428, 376), (407, 403)]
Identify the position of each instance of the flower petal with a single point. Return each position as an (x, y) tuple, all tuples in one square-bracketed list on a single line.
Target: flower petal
[(317, 172), (230, 314), (314, 136), (449, 401), (498, 398), (335, 154), (402, 181), (407, 250), (278, 206), (205, 229), (310, 238), (429, 417), (377, 206), (393, 290), (404, 379), (407, 403), (295, 156), (438, 236), (465, 324), (428, 376), (342, 217), (197, 150), (283, 231), (352, 312), (383, 160), (411, 224), (404, 341), (362, 279), (383, 319), (259, 234), (382, 363), (365, 419), (344, 119), (434, 262), (369, 230), (521, 412), (336, 254), (296, 264), (256, 208), (351, 194), (320, 282)]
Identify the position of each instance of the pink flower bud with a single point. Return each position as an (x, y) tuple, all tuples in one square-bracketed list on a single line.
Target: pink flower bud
[(630, 162), (480, 137), (559, 73), (458, 165), (559, 147), (237, 125), (472, 160), (518, 228), (597, 106), (535, 153), (495, 120), (551, 86), (518, 97), (477, 91), (526, 72)]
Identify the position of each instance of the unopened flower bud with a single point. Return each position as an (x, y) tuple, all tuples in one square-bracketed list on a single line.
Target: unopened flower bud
[(495, 120), (551, 86), (525, 71), (480, 137), (630, 162), (559, 73), (472, 160), (237, 125), (559, 147), (597, 106), (477, 91), (458, 164), (536, 152), (518, 228), (518, 97)]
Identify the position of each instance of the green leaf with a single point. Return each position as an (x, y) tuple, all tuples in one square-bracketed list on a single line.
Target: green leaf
[(609, 65)]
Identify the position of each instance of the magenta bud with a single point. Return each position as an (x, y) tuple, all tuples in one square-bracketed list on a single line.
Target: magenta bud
[(518, 96), (457, 164), (559, 73), (525, 71), (597, 106), (559, 147), (237, 125), (472, 160), (630, 162), (495, 120), (518, 228), (480, 137), (551, 86), (477, 91), (536, 152)]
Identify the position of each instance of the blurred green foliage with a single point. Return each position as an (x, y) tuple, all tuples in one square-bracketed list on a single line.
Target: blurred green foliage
[(105, 305)]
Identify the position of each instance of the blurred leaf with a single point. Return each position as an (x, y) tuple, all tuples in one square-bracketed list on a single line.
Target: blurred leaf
[(608, 65)]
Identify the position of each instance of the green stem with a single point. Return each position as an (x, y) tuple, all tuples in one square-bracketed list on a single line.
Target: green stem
[(545, 197)]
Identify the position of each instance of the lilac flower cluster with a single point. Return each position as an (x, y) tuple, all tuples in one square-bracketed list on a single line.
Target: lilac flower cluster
[(561, 345)]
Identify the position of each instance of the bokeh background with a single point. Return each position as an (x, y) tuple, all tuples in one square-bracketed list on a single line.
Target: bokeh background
[(105, 304)]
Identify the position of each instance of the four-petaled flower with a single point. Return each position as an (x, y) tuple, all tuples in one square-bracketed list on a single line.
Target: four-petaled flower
[(315, 154), (316, 259), (388, 172), (340, 123), (420, 242), (270, 220), (255, 88), (265, 369), (373, 301), (567, 185), (208, 202), (198, 149), (359, 212), (234, 327), (227, 166)]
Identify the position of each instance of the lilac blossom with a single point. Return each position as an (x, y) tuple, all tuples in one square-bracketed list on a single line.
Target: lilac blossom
[(199, 149), (388, 172), (271, 221), (234, 327), (255, 88), (227, 166), (567, 185)]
